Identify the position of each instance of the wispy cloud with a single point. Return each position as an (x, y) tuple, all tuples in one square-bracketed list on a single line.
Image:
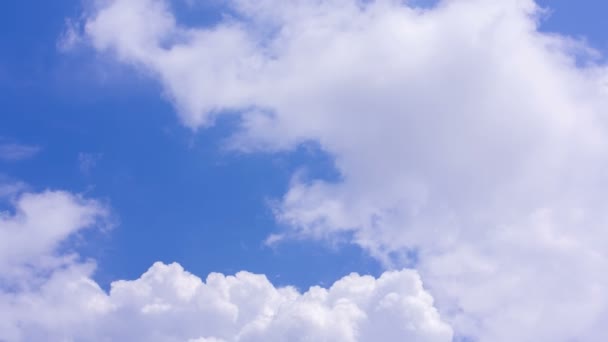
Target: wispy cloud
[(70, 37), (10, 151), (88, 161), (9, 189)]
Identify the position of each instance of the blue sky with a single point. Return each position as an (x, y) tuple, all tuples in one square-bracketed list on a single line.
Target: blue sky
[(105, 130), (214, 213)]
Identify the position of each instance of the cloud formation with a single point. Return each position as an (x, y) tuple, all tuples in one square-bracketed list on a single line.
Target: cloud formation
[(53, 297), (32, 233), (170, 304), (468, 141)]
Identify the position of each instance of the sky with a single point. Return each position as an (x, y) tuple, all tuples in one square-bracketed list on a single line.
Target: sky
[(335, 170)]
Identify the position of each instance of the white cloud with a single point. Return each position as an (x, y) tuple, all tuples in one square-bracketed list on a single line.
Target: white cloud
[(31, 234), (462, 134), (10, 151), (170, 304), (53, 298)]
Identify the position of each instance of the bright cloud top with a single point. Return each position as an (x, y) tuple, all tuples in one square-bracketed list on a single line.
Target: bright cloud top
[(53, 298), (467, 141)]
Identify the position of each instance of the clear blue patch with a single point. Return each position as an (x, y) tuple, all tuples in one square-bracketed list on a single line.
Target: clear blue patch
[(581, 20)]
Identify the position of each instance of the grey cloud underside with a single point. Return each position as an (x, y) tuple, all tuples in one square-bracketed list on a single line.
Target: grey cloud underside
[(460, 132)]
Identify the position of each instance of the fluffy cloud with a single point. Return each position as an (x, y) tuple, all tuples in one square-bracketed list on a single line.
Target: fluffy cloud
[(47, 293), (32, 233), (247, 307), (468, 142)]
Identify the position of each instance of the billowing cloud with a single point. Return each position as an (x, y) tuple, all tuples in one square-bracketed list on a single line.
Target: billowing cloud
[(170, 304), (468, 142), (54, 298)]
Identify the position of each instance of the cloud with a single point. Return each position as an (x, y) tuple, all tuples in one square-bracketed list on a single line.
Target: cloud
[(468, 142), (88, 161), (54, 298), (170, 304), (70, 37), (16, 152), (31, 234), (9, 187)]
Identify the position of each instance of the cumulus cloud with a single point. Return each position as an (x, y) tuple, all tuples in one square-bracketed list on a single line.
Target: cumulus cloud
[(170, 304), (55, 299), (468, 141), (31, 234)]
